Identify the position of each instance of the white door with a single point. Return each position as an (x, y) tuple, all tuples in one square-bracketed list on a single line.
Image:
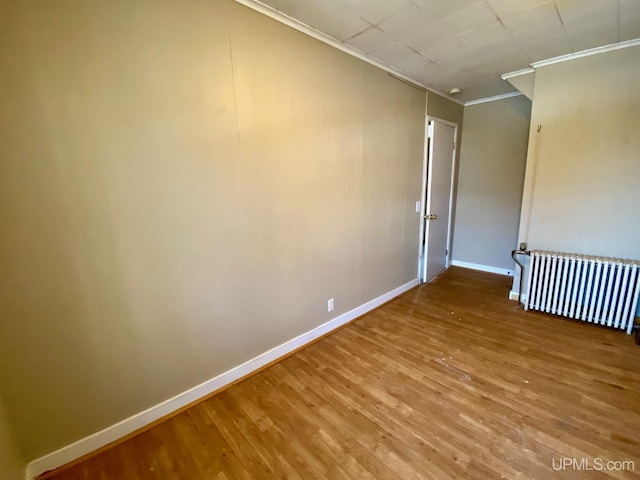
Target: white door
[(439, 183)]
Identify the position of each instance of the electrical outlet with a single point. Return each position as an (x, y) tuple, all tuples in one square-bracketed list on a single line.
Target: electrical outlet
[(418, 206), (330, 305)]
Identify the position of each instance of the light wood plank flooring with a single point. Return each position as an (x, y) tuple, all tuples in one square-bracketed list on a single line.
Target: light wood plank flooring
[(450, 380)]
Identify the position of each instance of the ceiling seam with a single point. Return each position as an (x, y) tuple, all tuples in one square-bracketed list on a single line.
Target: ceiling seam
[(302, 27), (511, 35)]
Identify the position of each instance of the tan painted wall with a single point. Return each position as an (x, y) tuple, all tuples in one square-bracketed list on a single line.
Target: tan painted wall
[(581, 184), (445, 109), (11, 465), (581, 189), (491, 174), (181, 189)]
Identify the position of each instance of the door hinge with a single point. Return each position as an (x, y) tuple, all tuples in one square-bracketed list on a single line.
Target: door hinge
[(430, 130), (447, 252)]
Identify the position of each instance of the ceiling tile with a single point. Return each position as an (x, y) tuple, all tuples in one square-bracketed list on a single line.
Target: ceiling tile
[(570, 8), (445, 50), (409, 20), (466, 80), (392, 51), (630, 9), (578, 16), (425, 37), (478, 79), (467, 42), (463, 64), (502, 8), (374, 11), (593, 37), (487, 33), (629, 29), (438, 9), (548, 48), (343, 28), (419, 67), (535, 33), (544, 14), (368, 41), (305, 11), (510, 62), (323, 17), (629, 19), (432, 75), (468, 18), (498, 49)]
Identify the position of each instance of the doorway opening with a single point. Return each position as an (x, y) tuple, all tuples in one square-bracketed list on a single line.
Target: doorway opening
[(437, 197)]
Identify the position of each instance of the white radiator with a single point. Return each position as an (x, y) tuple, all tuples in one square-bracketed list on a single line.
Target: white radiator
[(593, 289)]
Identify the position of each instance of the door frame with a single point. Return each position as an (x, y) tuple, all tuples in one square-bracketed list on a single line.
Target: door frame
[(426, 174)]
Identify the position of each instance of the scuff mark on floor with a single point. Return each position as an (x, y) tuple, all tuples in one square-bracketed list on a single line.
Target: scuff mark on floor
[(464, 376)]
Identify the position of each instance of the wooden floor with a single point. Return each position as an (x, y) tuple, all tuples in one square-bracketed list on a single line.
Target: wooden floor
[(450, 380)]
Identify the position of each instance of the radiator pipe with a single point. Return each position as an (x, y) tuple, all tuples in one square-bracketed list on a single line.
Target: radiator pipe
[(520, 251)]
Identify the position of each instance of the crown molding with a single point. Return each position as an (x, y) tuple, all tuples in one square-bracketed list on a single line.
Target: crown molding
[(277, 15), (587, 53), (572, 56), (302, 27), (517, 73), (492, 99)]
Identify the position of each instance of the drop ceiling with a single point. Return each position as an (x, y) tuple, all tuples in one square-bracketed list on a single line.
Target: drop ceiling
[(467, 43)]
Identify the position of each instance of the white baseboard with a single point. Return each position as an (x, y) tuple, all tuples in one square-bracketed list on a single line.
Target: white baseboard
[(513, 295), (482, 268), (110, 434)]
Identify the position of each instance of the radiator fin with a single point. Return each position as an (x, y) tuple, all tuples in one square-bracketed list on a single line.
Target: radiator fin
[(597, 290)]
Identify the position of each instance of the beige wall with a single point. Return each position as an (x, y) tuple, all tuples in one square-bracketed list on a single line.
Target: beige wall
[(581, 189), (441, 107), (581, 192), (11, 465), (181, 189), (445, 109), (492, 162)]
